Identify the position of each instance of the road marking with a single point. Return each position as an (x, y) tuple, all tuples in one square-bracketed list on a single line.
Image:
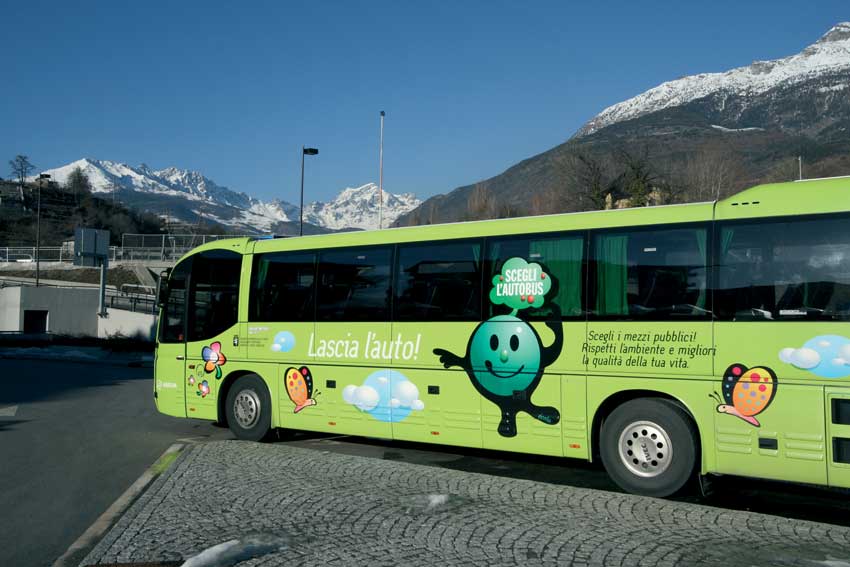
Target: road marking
[(8, 411), (106, 520)]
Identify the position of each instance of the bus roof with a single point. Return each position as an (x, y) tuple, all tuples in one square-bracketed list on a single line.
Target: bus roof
[(806, 197), (772, 199)]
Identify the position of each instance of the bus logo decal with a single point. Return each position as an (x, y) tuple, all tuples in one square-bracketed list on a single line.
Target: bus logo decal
[(505, 357), (747, 392)]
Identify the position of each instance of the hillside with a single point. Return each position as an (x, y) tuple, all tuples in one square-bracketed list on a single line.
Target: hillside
[(696, 138), (61, 213)]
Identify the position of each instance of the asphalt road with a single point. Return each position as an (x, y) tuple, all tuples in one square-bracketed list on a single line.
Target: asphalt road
[(82, 433)]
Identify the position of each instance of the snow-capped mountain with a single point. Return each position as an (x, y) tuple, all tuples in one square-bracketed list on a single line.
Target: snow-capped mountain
[(358, 207), (189, 197), (755, 120), (828, 57)]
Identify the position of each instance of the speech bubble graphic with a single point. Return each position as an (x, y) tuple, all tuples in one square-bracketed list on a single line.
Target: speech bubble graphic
[(520, 285)]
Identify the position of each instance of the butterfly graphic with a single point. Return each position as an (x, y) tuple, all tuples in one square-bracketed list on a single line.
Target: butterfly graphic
[(747, 392), (214, 359), (299, 386)]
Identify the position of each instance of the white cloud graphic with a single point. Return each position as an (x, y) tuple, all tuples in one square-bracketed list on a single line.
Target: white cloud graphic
[(805, 358), (365, 398), (405, 393), (844, 352), (824, 344)]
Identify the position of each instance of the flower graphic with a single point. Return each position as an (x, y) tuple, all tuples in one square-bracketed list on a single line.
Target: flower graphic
[(203, 389), (214, 359)]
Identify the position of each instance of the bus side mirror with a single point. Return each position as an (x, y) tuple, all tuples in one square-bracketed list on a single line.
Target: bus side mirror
[(162, 291)]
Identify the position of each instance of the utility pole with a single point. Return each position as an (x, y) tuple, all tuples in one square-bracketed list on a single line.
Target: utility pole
[(43, 178), (800, 164), (381, 176)]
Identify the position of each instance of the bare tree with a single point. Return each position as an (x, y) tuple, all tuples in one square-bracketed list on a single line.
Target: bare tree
[(21, 168), (711, 173), (480, 203), (639, 178), (79, 184), (595, 180)]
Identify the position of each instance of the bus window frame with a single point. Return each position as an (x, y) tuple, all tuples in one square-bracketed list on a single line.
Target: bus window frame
[(489, 268), (252, 288), (397, 267), (190, 262), (716, 260), (318, 251), (592, 280)]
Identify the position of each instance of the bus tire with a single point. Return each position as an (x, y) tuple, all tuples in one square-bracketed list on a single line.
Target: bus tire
[(249, 408), (649, 447)]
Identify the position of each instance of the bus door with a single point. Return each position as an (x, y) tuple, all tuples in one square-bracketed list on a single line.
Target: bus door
[(169, 363), (213, 330), (782, 300), (352, 364)]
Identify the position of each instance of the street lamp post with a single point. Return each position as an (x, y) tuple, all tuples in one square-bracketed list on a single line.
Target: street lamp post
[(304, 152), (43, 178)]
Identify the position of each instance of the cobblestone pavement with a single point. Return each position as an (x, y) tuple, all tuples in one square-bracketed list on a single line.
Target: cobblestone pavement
[(336, 509)]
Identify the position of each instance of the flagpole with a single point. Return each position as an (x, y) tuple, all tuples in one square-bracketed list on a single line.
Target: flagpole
[(381, 176)]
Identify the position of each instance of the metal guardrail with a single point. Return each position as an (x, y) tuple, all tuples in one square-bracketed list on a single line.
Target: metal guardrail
[(134, 248), (27, 255)]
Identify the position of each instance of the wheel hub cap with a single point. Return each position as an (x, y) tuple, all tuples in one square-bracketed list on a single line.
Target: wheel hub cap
[(246, 408), (645, 449)]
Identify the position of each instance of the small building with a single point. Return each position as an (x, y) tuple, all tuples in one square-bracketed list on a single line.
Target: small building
[(55, 310)]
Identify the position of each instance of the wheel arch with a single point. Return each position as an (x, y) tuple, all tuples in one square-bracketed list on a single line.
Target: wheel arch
[(616, 399), (224, 389)]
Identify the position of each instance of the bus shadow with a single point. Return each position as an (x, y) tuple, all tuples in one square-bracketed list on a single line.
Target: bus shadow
[(25, 381)]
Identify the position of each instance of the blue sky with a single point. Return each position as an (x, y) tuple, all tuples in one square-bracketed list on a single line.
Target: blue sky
[(234, 89)]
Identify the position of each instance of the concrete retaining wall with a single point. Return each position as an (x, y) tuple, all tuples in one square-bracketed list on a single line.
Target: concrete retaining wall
[(127, 324), (10, 310)]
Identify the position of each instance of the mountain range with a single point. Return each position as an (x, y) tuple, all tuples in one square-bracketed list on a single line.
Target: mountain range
[(702, 136), (188, 197)]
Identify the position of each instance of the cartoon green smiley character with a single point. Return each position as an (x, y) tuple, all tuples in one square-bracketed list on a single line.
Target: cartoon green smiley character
[(505, 360)]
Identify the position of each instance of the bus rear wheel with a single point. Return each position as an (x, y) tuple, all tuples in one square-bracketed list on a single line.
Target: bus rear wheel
[(248, 408), (649, 447)]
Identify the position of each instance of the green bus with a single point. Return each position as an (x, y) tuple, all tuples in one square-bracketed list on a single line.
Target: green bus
[(670, 341)]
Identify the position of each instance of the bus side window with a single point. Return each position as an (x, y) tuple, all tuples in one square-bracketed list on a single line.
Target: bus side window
[(439, 281), (172, 327), (354, 284), (651, 274), (778, 269), (283, 287), (214, 296)]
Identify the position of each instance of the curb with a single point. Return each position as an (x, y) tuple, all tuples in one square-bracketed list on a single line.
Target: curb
[(106, 520)]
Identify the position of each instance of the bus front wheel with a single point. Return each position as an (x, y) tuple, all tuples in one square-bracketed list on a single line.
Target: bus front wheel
[(649, 446), (249, 408)]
